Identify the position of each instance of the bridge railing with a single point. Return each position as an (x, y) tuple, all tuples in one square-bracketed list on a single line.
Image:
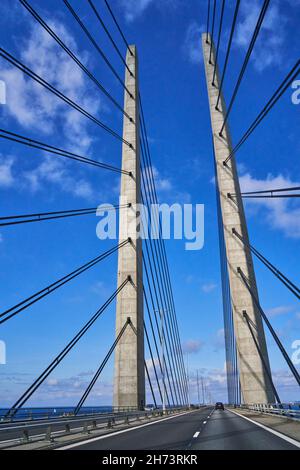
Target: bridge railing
[(53, 414), (74, 428), (289, 410)]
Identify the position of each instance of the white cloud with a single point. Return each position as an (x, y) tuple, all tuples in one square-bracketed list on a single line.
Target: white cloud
[(219, 340), (192, 47), (36, 108), (50, 171), (280, 310), (162, 184), (268, 49), (135, 8), (6, 175), (208, 287), (192, 346), (57, 173), (280, 214)]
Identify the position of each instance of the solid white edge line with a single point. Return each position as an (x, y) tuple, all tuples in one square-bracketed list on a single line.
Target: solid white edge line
[(83, 442), (196, 435), (272, 431)]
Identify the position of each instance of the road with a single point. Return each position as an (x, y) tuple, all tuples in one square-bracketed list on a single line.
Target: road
[(206, 429)]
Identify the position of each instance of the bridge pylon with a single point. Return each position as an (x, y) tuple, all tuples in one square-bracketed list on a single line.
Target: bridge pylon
[(254, 372), (129, 373)]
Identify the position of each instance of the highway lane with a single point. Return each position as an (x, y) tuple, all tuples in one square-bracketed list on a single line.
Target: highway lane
[(173, 433), (207, 429), (227, 431)]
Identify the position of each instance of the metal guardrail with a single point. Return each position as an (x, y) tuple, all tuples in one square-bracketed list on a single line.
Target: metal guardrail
[(33, 414), (86, 426), (285, 409)]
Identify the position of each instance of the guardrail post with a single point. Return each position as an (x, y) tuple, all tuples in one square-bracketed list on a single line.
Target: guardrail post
[(68, 429), (94, 423), (86, 428), (48, 436), (25, 435)]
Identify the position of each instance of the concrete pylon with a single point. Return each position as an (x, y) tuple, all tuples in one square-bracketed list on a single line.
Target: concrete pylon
[(255, 385), (129, 373)]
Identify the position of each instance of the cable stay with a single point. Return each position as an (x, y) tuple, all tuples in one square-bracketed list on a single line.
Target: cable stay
[(263, 359), (20, 139), (47, 28), (271, 329), (118, 27), (162, 293), (150, 384), (285, 85), (155, 342), (289, 284), (162, 306), (153, 362), (208, 21), (109, 36), (238, 2), (93, 41), (270, 193), (246, 61), (101, 367), (27, 218), (219, 40), (160, 336), (232, 369), (38, 382), (177, 350), (30, 73), (161, 246), (24, 304), (212, 31)]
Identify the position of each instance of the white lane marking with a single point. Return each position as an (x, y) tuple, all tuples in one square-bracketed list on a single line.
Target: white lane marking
[(196, 435), (204, 422), (276, 433), (99, 438)]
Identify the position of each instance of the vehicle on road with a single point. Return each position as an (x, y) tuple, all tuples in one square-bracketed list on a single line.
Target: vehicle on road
[(219, 406)]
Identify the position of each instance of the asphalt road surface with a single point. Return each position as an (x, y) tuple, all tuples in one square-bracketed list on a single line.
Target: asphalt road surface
[(207, 429)]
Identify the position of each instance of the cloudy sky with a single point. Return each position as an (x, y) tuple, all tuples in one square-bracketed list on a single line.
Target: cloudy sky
[(167, 35)]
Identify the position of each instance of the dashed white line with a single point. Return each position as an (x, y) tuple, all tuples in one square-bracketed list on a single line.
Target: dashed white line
[(196, 435), (105, 436), (204, 422)]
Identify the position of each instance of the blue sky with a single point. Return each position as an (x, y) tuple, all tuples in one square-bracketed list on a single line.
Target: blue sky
[(172, 83)]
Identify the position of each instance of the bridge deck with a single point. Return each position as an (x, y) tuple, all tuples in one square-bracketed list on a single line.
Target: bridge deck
[(202, 430)]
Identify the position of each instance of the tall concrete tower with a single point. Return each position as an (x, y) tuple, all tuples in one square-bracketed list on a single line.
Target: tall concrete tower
[(129, 373), (255, 384)]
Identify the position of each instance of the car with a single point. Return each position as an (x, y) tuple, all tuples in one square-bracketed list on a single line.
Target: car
[(219, 406)]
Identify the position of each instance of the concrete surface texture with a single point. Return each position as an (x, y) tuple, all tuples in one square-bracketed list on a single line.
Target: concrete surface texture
[(255, 385), (129, 374)]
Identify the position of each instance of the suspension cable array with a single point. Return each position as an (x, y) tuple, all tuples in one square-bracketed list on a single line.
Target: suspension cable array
[(288, 192), (167, 376), (233, 383), (57, 360), (246, 60)]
